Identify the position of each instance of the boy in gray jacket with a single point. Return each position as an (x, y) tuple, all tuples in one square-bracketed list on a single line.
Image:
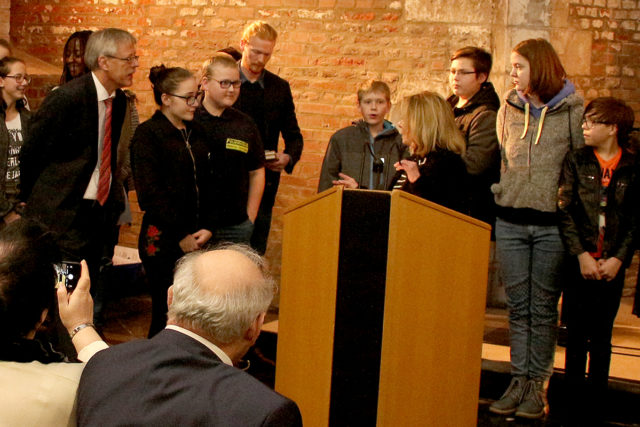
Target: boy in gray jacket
[(362, 155)]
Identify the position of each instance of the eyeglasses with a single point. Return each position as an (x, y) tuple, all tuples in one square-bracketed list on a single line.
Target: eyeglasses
[(130, 60), (21, 78), (461, 72), (191, 100), (224, 84), (589, 124)]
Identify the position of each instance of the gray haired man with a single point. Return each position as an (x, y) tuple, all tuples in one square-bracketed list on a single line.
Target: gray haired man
[(69, 156), (184, 375)]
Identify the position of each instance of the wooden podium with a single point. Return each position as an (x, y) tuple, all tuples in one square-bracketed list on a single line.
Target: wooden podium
[(381, 310)]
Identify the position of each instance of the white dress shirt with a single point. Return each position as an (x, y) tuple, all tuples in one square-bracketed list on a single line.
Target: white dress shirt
[(217, 350)]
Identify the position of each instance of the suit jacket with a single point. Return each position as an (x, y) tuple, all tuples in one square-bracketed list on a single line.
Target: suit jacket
[(173, 380), (61, 152), (279, 117)]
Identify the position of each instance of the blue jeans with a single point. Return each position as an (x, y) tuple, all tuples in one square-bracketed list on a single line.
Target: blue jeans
[(531, 261), (239, 233)]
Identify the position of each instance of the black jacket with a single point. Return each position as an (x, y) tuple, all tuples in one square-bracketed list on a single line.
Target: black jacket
[(443, 180), (273, 111), (579, 205), (169, 190), (477, 122)]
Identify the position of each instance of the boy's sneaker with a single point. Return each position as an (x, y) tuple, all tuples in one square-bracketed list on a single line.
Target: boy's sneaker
[(534, 401), (511, 398)]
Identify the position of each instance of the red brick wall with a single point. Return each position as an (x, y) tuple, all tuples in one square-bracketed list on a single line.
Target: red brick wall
[(615, 59), (327, 47)]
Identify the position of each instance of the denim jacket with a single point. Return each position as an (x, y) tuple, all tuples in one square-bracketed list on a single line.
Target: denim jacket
[(579, 205)]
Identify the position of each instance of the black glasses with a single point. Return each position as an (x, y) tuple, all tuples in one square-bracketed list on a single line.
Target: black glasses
[(191, 100), (224, 84), (21, 78), (130, 60), (589, 124)]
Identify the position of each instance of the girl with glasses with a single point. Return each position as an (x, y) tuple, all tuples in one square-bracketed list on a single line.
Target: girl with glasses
[(13, 129), (169, 162)]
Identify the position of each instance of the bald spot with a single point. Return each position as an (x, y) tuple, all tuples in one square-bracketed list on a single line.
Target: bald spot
[(223, 271)]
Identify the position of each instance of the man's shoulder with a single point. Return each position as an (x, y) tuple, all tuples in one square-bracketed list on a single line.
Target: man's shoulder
[(250, 392), (75, 86), (271, 78), (70, 94)]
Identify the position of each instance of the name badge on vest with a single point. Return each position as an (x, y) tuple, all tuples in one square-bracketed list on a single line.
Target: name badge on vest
[(237, 145)]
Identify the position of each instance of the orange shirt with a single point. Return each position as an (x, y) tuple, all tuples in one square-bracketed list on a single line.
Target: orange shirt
[(606, 167)]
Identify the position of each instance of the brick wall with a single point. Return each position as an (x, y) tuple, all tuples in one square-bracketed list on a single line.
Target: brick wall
[(326, 47), (5, 10)]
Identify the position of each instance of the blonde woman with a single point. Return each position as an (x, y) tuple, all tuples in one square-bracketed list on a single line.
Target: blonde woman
[(435, 171)]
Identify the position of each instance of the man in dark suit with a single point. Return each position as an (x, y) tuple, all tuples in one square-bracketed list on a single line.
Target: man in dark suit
[(267, 99), (184, 375), (69, 159)]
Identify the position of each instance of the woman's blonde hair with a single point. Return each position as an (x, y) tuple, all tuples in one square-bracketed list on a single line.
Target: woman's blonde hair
[(428, 124)]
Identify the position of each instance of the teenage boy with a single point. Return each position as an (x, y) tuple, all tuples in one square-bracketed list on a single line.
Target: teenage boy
[(595, 203), (236, 153), (362, 155), (475, 104)]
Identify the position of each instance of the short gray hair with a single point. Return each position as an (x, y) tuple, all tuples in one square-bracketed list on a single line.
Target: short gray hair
[(105, 43), (223, 316)]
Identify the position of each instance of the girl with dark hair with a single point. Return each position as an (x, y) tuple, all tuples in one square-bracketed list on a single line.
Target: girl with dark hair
[(14, 124), (73, 56), (538, 124), (169, 162)]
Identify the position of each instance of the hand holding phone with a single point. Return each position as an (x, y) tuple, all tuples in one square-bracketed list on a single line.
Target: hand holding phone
[(76, 307)]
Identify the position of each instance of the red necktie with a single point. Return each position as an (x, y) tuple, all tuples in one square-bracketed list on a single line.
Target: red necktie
[(105, 158)]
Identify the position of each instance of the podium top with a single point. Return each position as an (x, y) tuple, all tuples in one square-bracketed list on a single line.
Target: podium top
[(396, 195)]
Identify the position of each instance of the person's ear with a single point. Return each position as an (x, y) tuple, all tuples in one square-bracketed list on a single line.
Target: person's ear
[(243, 44), (613, 131), (170, 296), (165, 99), (103, 63), (253, 332), (483, 77)]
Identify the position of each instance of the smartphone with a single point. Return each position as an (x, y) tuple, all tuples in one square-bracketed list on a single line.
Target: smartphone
[(68, 274)]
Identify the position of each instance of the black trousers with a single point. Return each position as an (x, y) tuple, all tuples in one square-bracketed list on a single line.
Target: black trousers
[(591, 308), (159, 255)]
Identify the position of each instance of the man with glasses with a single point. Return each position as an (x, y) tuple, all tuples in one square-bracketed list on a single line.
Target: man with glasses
[(267, 99), (69, 158), (236, 152)]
